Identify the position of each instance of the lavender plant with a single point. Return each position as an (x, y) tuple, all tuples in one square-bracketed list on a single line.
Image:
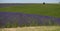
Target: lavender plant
[(19, 19)]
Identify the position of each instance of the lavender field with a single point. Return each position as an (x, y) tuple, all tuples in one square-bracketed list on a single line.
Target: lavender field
[(27, 15), (13, 19)]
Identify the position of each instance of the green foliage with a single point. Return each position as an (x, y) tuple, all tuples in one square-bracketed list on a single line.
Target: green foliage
[(8, 25), (40, 9)]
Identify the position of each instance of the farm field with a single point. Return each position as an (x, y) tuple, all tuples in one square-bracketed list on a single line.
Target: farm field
[(38, 9), (11, 19), (40, 17), (37, 28)]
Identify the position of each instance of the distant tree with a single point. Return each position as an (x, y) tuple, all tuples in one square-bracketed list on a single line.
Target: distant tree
[(59, 2), (43, 3)]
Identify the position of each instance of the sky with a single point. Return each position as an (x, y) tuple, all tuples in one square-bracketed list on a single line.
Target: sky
[(29, 1)]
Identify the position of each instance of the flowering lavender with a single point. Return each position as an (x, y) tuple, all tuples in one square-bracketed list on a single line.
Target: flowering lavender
[(21, 19)]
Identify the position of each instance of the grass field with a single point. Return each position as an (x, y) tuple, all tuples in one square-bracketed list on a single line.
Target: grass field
[(37, 28), (39, 9)]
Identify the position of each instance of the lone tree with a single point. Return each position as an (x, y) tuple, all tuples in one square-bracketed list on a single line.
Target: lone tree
[(43, 3), (59, 2)]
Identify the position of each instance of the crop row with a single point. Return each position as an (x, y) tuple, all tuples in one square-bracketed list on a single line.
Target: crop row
[(10, 19)]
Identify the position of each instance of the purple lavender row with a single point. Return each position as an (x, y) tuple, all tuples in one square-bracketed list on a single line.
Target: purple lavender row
[(20, 18)]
